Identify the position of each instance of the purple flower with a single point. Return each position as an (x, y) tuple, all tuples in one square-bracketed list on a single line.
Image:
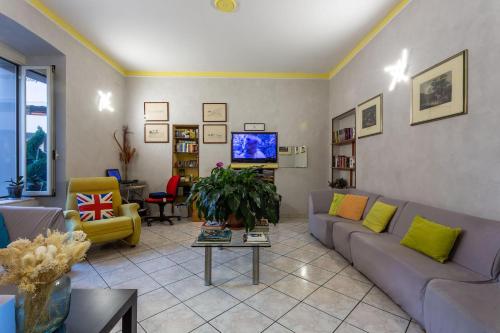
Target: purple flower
[(219, 165)]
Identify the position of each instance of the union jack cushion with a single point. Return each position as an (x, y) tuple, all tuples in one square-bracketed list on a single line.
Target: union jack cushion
[(95, 206)]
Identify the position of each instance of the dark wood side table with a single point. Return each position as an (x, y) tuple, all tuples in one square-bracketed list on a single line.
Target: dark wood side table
[(98, 310)]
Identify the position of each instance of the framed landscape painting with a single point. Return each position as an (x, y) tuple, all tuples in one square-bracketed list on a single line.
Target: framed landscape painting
[(156, 133), (215, 112), (369, 117), (440, 91)]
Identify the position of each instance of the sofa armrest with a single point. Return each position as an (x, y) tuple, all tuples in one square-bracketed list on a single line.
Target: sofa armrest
[(73, 222), (320, 200), (130, 210), (29, 222)]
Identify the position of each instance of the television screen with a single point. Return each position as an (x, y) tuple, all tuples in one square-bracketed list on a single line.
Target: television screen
[(254, 147)]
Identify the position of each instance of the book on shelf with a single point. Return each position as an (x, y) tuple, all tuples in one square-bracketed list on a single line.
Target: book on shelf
[(186, 133), (186, 164), (344, 134), (255, 237), (343, 162), (214, 236), (213, 225), (186, 147)]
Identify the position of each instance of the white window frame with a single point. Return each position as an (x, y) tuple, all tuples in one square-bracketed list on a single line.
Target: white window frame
[(50, 191)]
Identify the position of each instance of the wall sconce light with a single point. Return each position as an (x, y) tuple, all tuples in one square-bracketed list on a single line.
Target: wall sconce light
[(398, 70), (105, 101)]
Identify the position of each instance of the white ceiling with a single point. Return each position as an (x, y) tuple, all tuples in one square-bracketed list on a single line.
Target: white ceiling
[(309, 36)]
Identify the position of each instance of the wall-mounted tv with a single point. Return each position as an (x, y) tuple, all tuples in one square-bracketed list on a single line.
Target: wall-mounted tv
[(254, 147)]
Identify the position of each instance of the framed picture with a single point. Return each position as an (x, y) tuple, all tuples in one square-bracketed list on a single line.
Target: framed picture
[(258, 127), (369, 117), (215, 133), (214, 112), (156, 133), (156, 111), (440, 91)]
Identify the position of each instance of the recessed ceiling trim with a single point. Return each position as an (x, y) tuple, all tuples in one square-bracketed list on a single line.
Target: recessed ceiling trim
[(40, 6), (368, 37)]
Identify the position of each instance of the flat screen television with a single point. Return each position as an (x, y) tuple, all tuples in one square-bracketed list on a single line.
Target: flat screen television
[(254, 147)]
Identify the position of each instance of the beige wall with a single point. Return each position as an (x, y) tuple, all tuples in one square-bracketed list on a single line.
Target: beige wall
[(88, 133), (296, 109), (450, 163)]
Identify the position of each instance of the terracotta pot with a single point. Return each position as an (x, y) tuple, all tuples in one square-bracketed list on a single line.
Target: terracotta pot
[(234, 223)]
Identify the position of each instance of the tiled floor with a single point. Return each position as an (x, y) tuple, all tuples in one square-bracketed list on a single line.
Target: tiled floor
[(304, 286)]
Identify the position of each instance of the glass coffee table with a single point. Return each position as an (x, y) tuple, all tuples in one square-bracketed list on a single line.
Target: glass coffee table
[(236, 241)]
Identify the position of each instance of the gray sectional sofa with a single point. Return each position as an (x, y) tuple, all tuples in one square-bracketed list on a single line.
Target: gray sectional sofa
[(434, 294)]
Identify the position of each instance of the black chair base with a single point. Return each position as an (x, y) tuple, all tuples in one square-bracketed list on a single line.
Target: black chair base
[(162, 217)]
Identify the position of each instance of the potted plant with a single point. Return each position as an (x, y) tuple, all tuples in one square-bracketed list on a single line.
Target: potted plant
[(15, 187), (238, 197), (338, 183)]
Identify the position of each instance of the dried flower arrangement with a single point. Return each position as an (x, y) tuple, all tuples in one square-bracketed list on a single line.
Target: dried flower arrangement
[(34, 265), (126, 150)]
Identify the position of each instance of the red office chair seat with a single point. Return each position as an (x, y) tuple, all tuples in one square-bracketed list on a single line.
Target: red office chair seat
[(162, 199)]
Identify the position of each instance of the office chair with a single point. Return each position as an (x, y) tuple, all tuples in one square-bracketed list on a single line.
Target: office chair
[(162, 199)]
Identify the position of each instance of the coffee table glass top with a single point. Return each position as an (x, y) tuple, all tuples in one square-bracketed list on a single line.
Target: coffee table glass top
[(236, 241)]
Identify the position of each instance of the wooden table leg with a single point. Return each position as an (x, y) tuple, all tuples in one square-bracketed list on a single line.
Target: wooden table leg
[(208, 265)]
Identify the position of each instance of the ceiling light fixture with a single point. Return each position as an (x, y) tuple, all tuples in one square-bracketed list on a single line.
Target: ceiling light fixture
[(226, 6), (398, 70)]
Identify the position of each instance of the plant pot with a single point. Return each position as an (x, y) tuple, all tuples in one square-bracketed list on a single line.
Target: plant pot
[(45, 309), (234, 223), (15, 192)]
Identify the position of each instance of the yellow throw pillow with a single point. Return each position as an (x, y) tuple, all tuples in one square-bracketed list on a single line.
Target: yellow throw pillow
[(337, 200), (379, 216), (432, 239), (352, 207)]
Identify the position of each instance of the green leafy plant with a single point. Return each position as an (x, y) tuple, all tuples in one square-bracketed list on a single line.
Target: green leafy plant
[(240, 192), (338, 183)]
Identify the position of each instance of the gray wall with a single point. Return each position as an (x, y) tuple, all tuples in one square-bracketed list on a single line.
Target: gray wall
[(295, 108), (450, 163), (87, 136)]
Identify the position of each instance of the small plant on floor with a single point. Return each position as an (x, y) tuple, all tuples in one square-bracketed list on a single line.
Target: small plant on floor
[(338, 183), (15, 187), (229, 195)]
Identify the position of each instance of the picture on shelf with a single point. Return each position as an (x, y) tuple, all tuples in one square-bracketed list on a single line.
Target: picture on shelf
[(215, 112), (440, 91), (369, 117), (156, 133)]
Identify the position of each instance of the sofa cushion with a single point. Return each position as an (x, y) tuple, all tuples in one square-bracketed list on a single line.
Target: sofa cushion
[(400, 204), (401, 272), (460, 307), (4, 233), (477, 247), (94, 207), (372, 197), (341, 234), (114, 224), (352, 207), (379, 216), (320, 226), (336, 202)]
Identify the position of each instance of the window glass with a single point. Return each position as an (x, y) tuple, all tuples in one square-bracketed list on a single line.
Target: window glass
[(8, 123)]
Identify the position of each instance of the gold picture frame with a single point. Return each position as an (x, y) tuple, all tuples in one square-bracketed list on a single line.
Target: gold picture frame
[(156, 133), (440, 91), (369, 117)]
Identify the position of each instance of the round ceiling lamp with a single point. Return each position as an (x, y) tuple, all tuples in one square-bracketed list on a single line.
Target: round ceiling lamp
[(226, 6)]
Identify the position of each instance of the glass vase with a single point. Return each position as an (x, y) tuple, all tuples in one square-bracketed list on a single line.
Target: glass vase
[(45, 309)]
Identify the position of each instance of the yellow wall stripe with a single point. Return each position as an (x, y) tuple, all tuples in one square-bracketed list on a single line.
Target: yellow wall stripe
[(75, 34), (39, 5), (248, 75), (368, 37)]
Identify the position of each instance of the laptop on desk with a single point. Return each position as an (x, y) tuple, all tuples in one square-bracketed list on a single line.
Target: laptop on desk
[(116, 173)]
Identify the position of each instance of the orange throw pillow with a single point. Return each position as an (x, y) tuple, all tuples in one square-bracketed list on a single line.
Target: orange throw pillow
[(352, 207)]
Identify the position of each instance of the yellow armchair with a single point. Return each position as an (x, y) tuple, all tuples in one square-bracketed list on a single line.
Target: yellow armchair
[(125, 225)]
